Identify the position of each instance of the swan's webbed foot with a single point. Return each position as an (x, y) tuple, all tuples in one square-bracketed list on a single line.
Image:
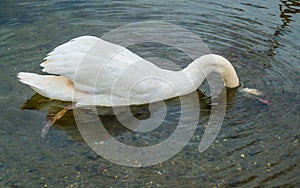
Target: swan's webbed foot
[(52, 120)]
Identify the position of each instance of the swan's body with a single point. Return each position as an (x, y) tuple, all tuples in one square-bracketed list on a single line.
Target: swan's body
[(91, 71)]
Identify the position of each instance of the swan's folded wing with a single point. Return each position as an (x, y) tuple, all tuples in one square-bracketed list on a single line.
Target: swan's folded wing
[(90, 63)]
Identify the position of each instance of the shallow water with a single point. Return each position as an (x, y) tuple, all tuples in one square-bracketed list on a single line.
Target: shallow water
[(257, 146)]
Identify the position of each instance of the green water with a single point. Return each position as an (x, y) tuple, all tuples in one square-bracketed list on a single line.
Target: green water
[(257, 146)]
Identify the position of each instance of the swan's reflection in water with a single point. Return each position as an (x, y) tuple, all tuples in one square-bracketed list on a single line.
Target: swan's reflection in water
[(111, 121)]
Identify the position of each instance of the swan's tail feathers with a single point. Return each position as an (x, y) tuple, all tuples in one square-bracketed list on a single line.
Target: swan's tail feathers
[(30, 79), (51, 86)]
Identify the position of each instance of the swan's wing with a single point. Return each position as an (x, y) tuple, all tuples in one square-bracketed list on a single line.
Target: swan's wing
[(91, 63)]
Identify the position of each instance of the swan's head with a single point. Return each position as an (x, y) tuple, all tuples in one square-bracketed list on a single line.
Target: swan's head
[(225, 68), (204, 65)]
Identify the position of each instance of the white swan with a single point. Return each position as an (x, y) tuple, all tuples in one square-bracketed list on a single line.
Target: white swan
[(91, 71)]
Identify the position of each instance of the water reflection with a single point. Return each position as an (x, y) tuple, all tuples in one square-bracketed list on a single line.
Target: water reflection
[(287, 9), (257, 146), (108, 114)]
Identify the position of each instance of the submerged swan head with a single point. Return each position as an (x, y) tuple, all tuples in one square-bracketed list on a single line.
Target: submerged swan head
[(91, 71)]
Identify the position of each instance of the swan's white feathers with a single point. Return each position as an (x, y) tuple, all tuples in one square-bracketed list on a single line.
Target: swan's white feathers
[(62, 86), (91, 71), (88, 60)]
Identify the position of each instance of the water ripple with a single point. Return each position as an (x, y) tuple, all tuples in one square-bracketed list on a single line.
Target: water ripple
[(258, 144)]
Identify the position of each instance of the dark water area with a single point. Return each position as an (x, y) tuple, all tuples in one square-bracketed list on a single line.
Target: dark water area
[(257, 146)]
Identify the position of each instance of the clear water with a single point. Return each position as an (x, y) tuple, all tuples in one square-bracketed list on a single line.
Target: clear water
[(258, 145)]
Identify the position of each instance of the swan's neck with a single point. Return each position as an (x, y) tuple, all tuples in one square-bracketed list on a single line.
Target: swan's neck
[(203, 66)]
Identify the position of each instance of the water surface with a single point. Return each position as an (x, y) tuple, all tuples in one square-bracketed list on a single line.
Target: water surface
[(258, 145)]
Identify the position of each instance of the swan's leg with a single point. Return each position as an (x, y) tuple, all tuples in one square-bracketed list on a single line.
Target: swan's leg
[(51, 121)]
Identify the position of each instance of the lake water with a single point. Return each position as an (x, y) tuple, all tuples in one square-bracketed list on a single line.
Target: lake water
[(257, 146)]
